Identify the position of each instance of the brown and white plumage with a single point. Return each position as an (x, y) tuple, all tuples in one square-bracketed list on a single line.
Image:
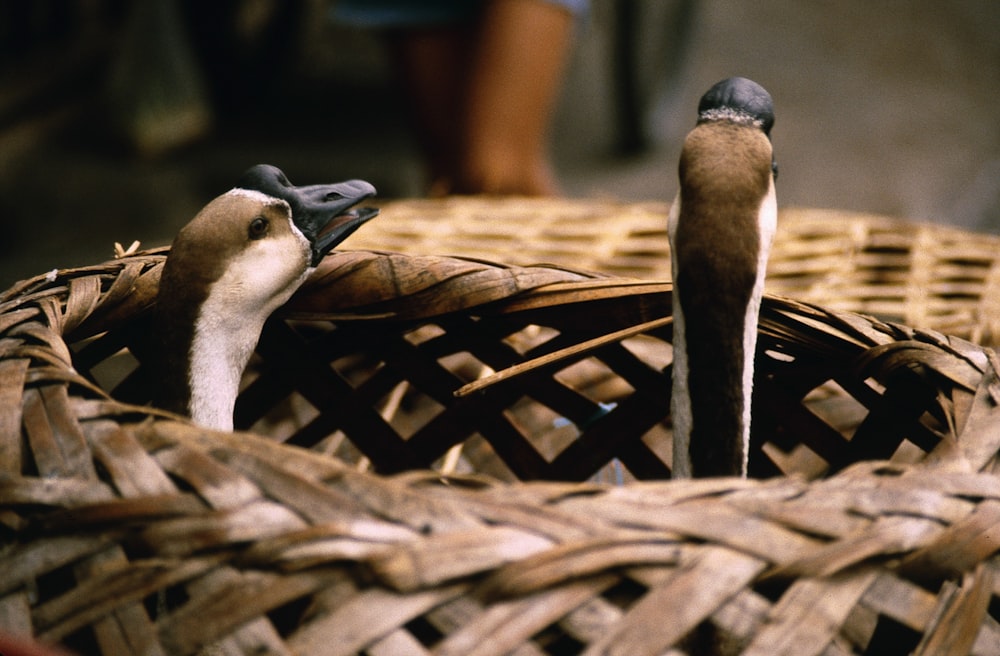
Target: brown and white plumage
[(721, 226), (235, 263)]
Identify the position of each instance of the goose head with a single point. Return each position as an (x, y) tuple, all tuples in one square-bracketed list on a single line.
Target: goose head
[(721, 225), (240, 258)]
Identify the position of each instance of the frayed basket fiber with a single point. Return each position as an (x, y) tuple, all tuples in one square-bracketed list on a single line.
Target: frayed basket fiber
[(455, 414)]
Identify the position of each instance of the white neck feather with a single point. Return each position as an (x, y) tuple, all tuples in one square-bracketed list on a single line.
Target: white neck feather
[(680, 398), (229, 323), (219, 354), (767, 223)]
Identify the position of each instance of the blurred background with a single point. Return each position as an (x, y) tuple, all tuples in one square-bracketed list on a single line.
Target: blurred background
[(119, 120)]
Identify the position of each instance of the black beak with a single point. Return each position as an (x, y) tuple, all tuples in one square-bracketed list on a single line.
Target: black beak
[(744, 95), (323, 213)]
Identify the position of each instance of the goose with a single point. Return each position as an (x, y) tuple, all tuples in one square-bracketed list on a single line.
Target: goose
[(239, 259), (720, 228)]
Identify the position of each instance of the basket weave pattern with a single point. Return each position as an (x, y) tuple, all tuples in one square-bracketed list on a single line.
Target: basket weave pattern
[(921, 275), (158, 538), (125, 531)]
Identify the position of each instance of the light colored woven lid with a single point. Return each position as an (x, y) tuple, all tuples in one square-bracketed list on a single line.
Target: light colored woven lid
[(923, 275)]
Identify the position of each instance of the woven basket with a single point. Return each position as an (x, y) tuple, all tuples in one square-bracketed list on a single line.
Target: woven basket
[(922, 275), (126, 531)]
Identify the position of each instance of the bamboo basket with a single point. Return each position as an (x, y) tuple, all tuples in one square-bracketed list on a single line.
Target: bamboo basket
[(922, 275), (458, 381)]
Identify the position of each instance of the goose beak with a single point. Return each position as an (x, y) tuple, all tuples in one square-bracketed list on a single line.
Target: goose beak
[(326, 214), (329, 222)]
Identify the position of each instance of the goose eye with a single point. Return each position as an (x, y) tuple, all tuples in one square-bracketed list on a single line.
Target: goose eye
[(774, 168), (258, 228)]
